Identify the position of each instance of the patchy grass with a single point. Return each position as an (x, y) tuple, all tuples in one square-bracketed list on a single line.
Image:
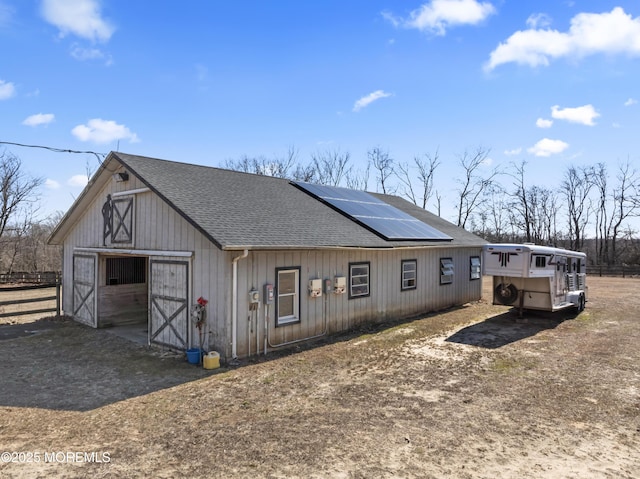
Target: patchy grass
[(469, 392)]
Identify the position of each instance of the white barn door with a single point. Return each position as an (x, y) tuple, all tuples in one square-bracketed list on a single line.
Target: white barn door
[(169, 303), (85, 289)]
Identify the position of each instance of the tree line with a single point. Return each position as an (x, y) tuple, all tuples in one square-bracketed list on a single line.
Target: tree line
[(590, 210), (23, 235)]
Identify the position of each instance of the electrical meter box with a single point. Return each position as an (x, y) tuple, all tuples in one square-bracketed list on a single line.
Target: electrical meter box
[(268, 294), (254, 296), (315, 288), (328, 287), (339, 284)]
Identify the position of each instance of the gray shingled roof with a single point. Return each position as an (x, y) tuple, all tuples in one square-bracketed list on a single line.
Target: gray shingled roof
[(242, 210)]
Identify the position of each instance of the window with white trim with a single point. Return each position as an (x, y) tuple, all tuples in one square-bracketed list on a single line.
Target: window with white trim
[(359, 280), (409, 274), (475, 269), (288, 300), (446, 270)]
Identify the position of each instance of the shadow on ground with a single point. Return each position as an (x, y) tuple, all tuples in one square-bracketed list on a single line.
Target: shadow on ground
[(63, 365), (508, 327)]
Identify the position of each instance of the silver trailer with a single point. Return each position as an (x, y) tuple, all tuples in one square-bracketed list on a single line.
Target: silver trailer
[(536, 277)]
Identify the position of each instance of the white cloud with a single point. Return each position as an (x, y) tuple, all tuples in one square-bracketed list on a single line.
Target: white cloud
[(544, 123), (538, 20), (590, 33), (78, 180), (7, 90), (370, 98), (547, 147), (103, 131), (438, 15), (86, 54), (630, 101), (582, 114), (78, 17), (39, 119), (515, 151), (6, 14), (51, 184)]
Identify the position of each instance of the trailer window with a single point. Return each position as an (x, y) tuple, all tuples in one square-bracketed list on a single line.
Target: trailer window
[(541, 261)]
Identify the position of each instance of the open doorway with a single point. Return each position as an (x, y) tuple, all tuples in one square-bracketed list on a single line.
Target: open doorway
[(123, 295)]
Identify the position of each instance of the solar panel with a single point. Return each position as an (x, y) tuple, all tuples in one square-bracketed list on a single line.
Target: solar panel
[(374, 214)]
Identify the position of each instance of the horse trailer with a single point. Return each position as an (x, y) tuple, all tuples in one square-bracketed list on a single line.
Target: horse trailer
[(529, 276)]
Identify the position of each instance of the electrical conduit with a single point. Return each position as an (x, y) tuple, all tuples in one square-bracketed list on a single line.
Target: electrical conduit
[(234, 304)]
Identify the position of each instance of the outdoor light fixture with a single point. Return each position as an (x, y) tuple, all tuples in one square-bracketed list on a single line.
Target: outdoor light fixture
[(121, 176)]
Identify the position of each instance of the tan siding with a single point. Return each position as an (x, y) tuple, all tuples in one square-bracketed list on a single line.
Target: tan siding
[(386, 301), (159, 227)]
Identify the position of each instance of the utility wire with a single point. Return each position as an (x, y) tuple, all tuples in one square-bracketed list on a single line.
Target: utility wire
[(99, 156)]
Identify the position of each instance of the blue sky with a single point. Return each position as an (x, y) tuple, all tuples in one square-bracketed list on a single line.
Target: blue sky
[(555, 83)]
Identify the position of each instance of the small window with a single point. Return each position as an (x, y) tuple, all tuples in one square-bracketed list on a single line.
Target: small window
[(288, 288), (541, 261), (358, 280), (409, 271), (129, 270), (446, 270), (475, 271)]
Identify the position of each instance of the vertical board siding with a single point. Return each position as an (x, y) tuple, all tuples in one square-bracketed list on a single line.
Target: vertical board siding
[(159, 227), (386, 300)]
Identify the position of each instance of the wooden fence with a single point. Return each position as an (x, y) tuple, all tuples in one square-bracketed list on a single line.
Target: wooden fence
[(47, 290), (623, 270), (44, 277)]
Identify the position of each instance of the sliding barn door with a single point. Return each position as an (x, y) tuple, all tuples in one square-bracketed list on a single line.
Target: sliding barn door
[(169, 303), (85, 289)]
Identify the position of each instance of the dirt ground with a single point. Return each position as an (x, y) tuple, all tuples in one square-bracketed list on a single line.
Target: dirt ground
[(472, 392)]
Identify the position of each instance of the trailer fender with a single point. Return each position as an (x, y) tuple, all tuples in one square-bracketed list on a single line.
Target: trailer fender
[(581, 303)]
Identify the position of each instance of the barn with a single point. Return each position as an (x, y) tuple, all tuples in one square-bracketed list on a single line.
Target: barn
[(276, 261)]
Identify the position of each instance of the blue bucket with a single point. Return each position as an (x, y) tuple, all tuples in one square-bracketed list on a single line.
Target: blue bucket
[(194, 355)]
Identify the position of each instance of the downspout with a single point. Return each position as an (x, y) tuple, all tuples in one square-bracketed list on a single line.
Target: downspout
[(234, 304)]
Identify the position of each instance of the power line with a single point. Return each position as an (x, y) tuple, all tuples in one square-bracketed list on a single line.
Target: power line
[(99, 156)]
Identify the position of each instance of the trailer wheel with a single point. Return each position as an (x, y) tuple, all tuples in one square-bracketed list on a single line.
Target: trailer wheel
[(581, 303), (506, 295)]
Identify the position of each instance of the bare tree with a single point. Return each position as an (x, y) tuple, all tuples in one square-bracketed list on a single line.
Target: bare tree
[(330, 166), (548, 215), (576, 186), (474, 184), (278, 167), (426, 166), (600, 181), (495, 214), (358, 179), (521, 199), (17, 189), (383, 163), (306, 173), (626, 204)]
